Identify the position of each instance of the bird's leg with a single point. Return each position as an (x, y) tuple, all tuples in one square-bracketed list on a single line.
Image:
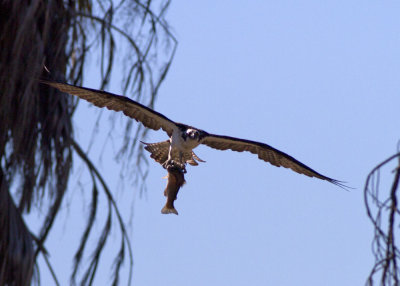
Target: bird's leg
[(173, 164), (181, 164), (181, 159), (169, 161)]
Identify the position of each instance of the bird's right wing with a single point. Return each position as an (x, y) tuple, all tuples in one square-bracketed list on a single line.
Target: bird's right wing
[(148, 117)]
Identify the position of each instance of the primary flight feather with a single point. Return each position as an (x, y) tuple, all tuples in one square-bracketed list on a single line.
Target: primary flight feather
[(178, 149)]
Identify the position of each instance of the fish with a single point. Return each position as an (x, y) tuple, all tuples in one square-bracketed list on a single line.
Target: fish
[(176, 179)]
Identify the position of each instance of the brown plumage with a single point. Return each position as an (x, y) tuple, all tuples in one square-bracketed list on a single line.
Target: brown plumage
[(176, 180), (148, 117), (184, 138), (159, 152)]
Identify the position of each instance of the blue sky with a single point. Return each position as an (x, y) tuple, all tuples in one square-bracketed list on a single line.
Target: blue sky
[(318, 80)]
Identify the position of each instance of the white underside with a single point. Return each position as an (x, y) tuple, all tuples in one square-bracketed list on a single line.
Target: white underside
[(180, 146)]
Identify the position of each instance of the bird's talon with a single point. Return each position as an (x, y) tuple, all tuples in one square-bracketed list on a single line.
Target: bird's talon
[(167, 163)]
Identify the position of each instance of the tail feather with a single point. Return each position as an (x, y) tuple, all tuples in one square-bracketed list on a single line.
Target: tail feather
[(160, 151), (197, 157)]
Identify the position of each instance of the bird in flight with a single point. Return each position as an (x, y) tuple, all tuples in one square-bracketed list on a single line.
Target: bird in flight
[(178, 149)]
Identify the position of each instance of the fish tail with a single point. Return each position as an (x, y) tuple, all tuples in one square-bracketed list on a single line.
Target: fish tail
[(169, 210)]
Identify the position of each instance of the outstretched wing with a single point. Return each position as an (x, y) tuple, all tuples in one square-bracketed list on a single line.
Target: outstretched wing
[(264, 152), (133, 109)]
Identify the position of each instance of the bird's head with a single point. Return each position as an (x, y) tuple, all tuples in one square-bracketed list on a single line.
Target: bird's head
[(193, 134)]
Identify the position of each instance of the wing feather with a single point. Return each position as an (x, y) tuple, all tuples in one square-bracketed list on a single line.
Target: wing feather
[(265, 153), (148, 117)]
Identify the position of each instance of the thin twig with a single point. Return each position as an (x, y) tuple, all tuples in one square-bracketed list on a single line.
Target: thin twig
[(110, 197), (385, 250)]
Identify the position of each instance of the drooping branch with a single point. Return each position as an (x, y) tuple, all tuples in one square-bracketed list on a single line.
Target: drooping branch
[(36, 131), (112, 205), (383, 211), (16, 256)]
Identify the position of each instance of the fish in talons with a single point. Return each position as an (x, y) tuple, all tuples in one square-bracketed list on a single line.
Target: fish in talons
[(176, 180)]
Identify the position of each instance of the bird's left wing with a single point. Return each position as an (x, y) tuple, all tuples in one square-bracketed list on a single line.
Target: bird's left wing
[(148, 117), (264, 152)]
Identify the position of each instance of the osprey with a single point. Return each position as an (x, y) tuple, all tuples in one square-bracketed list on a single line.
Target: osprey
[(178, 149)]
